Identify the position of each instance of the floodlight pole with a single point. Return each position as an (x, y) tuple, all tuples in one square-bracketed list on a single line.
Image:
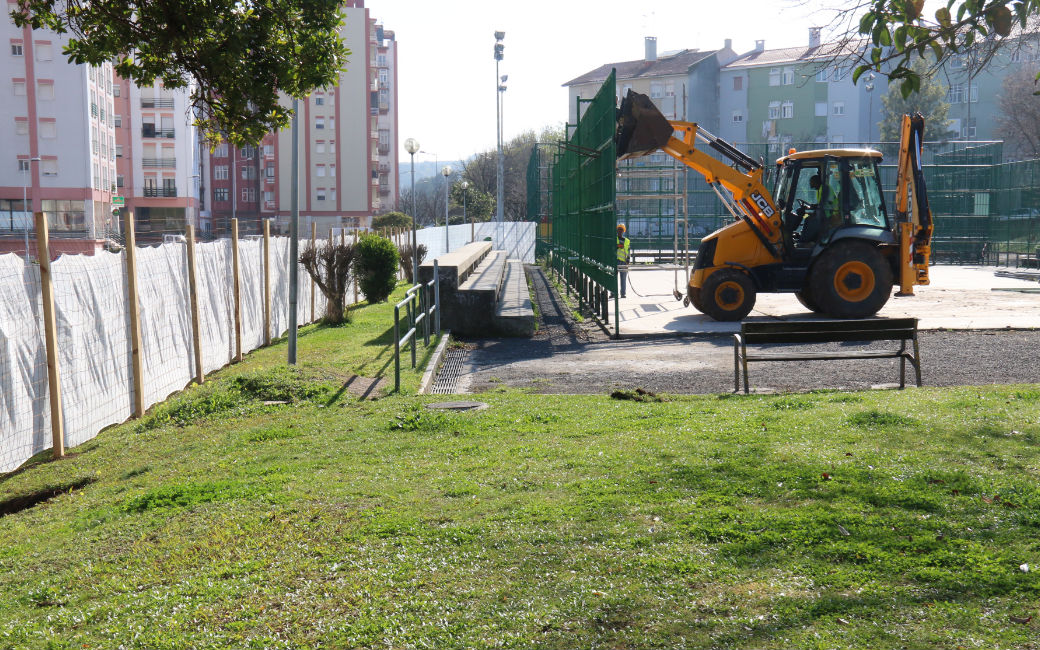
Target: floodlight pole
[(294, 232)]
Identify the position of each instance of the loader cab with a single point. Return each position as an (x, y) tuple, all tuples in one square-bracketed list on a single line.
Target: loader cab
[(820, 193)]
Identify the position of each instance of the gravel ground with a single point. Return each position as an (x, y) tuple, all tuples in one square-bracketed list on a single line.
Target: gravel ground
[(570, 357)]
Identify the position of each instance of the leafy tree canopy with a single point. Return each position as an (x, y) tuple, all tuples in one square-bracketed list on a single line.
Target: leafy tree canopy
[(898, 31), (235, 56), (391, 220), (929, 101)]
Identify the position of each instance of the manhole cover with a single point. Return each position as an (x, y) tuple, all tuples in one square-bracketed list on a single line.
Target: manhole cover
[(458, 406)]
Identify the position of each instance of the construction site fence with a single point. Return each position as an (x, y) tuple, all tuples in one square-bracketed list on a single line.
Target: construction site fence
[(581, 245), (94, 347)]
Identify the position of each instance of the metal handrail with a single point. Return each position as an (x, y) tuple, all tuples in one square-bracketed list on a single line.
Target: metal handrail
[(420, 309)]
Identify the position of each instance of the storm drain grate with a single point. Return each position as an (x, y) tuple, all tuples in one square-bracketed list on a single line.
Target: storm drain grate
[(447, 381)]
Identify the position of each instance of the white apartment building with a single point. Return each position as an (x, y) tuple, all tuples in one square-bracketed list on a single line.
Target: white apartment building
[(57, 146), (157, 153)]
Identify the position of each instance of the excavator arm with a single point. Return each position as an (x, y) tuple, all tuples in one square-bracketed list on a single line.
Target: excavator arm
[(642, 130), (913, 215)]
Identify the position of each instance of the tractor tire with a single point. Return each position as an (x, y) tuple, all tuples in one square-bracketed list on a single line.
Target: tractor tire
[(805, 298), (695, 293), (728, 295), (851, 279)]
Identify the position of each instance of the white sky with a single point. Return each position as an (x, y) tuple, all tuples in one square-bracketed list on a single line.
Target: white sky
[(446, 80)]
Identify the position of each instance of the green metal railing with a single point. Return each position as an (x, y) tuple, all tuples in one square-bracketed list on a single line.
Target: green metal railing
[(583, 247)]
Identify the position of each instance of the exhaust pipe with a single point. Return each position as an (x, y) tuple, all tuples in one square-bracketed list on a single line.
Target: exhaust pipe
[(641, 128)]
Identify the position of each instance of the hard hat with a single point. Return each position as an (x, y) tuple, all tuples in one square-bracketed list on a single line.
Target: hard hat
[(621, 227)]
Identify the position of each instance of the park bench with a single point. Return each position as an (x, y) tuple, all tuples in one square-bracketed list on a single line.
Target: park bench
[(756, 333)]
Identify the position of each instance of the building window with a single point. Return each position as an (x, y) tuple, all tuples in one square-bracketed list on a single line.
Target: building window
[(332, 122), (320, 170), (19, 87), (49, 166), (774, 110), (249, 173), (821, 75), (669, 90), (838, 108), (332, 195), (249, 195), (16, 48), (44, 52), (116, 91), (117, 121), (656, 90), (319, 101), (788, 77), (974, 94), (268, 150), (788, 110), (321, 194), (220, 172), (332, 171), (319, 146), (268, 196), (119, 180), (968, 131), (119, 151), (21, 126), (821, 109), (221, 150), (774, 76), (319, 123), (269, 171), (220, 194), (246, 153), (23, 165), (49, 129), (955, 95), (738, 117)]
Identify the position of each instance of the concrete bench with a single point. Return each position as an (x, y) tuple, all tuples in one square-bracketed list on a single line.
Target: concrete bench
[(472, 280), (903, 330)]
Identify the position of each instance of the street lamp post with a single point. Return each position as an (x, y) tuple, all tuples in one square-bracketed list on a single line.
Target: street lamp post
[(447, 173), (465, 187), (869, 87), (411, 145), (499, 88)]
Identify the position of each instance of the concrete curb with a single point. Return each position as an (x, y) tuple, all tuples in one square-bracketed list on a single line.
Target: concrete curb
[(435, 362)]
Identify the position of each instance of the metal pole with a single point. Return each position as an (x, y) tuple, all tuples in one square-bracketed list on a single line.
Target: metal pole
[(498, 125), (294, 233), (437, 294), (447, 246), (415, 239)]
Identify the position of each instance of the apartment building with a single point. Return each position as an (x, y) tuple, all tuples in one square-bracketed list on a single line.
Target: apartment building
[(798, 95), (348, 144), (59, 142), (157, 157)]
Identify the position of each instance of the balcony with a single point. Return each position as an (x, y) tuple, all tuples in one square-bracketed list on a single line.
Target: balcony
[(384, 190), (384, 168), (149, 131), (156, 102), (384, 149), (93, 109), (160, 192), (159, 162), (384, 107)]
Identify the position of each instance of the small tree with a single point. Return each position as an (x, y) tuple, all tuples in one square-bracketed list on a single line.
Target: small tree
[(404, 251), (329, 266), (1018, 122), (929, 101), (376, 267), (391, 220)]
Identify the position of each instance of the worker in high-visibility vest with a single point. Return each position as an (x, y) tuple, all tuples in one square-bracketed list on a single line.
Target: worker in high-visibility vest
[(623, 245)]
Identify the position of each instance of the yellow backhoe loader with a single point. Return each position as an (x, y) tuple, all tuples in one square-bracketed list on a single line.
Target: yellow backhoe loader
[(823, 233)]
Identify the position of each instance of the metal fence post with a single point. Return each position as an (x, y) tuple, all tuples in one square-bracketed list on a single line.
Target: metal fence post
[(397, 349), (437, 294)]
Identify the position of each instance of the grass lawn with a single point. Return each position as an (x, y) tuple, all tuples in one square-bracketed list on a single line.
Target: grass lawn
[(880, 519)]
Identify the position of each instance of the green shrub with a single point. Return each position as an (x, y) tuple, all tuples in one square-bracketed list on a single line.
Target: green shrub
[(376, 267)]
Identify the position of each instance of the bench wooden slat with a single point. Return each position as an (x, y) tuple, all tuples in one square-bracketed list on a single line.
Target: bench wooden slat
[(903, 330), (830, 337)]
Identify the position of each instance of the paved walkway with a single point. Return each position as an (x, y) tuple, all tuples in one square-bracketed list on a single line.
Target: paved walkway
[(959, 298)]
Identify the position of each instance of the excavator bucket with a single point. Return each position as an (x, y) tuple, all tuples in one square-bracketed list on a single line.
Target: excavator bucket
[(641, 129)]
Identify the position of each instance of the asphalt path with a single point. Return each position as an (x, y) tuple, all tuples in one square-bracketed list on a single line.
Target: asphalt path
[(571, 357)]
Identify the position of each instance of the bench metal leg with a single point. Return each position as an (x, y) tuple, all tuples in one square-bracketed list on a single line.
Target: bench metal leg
[(917, 361), (736, 368), (902, 365)]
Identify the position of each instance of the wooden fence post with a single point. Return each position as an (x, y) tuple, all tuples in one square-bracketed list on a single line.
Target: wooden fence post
[(314, 241), (193, 297), (133, 306), (50, 329), (267, 282), (236, 289)]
